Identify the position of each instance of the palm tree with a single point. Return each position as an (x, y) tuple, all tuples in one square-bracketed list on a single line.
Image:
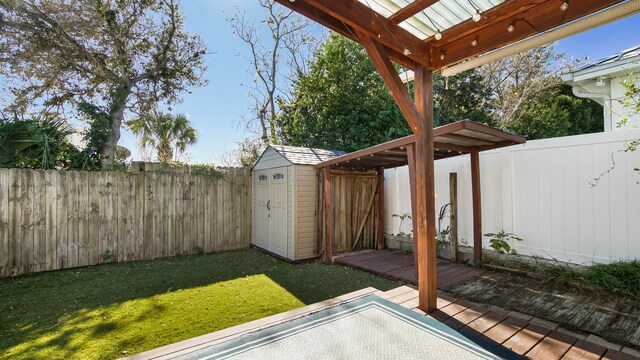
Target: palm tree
[(165, 133)]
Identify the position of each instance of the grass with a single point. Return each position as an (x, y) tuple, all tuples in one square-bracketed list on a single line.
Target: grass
[(622, 278), (115, 310), (618, 278)]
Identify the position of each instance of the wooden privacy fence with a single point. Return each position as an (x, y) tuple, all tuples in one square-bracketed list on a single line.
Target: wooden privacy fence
[(355, 212), (53, 220)]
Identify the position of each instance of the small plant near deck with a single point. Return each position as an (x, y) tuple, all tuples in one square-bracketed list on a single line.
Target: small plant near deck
[(443, 234), (502, 242), (402, 218)]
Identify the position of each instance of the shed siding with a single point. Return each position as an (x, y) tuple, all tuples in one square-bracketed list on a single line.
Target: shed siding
[(291, 244), (306, 198), (271, 159)]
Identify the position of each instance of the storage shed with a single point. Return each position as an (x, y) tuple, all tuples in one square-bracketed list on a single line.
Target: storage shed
[(285, 200)]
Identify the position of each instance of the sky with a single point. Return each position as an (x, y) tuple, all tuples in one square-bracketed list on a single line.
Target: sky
[(217, 110)]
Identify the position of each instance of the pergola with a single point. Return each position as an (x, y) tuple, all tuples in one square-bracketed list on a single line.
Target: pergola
[(450, 36), (462, 137)]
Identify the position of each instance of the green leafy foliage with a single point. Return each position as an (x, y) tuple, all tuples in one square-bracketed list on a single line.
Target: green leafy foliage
[(619, 277), (461, 97), (169, 135), (502, 241), (557, 112), (403, 218), (126, 54), (35, 143), (341, 103), (443, 233), (96, 137)]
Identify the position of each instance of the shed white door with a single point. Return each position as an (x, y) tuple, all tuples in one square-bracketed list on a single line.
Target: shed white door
[(270, 229), (261, 233), (278, 211)]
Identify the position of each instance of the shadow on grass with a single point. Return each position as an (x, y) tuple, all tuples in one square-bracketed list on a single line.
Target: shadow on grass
[(60, 313)]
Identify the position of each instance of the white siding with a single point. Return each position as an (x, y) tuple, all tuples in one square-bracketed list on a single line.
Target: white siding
[(271, 159), (306, 197), (541, 192)]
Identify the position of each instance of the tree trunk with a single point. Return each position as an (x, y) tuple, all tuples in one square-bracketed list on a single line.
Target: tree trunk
[(116, 113), (165, 152)]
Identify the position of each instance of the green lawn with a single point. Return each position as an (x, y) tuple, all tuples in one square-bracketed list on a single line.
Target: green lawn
[(115, 310)]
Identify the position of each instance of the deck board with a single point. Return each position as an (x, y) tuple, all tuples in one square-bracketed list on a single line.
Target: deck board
[(400, 266), (521, 335)]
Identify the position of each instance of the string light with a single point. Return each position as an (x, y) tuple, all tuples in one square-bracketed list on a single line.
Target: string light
[(438, 34), (474, 43), (476, 17), (564, 6), (511, 28)]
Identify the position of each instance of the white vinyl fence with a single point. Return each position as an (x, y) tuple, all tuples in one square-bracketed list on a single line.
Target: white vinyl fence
[(545, 192)]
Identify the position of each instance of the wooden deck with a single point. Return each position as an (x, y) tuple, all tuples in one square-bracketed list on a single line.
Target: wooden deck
[(520, 333), (523, 335), (400, 266)]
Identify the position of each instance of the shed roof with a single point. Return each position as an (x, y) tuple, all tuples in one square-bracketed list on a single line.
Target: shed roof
[(305, 156), (450, 140)]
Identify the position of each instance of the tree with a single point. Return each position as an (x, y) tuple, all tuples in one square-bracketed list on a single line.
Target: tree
[(557, 112), (286, 40), (341, 103), (124, 54), (36, 143), (245, 154), (519, 80), (463, 96), (169, 135)]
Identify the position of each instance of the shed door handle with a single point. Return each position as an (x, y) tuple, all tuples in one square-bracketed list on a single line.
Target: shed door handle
[(268, 202)]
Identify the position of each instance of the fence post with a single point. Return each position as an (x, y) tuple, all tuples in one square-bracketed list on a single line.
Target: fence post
[(453, 216)]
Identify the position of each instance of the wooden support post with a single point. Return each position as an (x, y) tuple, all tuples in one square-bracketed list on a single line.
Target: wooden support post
[(328, 216), (411, 160), (453, 214), (477, 206), (380, 233), (425, 193)]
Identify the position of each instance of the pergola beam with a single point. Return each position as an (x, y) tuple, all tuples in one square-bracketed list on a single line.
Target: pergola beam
[(410, 10), (362, 19), (340, 27), (544, 16), (391, 78)]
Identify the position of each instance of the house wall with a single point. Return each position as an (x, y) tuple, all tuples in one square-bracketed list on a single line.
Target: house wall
[(542, 191), (619, 110)]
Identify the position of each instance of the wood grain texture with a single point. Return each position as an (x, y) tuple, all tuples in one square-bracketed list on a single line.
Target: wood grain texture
[(53, 220)]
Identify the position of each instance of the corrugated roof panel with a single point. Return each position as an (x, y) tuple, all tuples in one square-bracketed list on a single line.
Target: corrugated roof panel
[(442, 15), (385, 8)]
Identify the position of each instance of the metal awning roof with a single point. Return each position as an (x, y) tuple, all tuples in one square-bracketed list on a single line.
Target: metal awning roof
[(407, 29), (454, 139), (440, 16)]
